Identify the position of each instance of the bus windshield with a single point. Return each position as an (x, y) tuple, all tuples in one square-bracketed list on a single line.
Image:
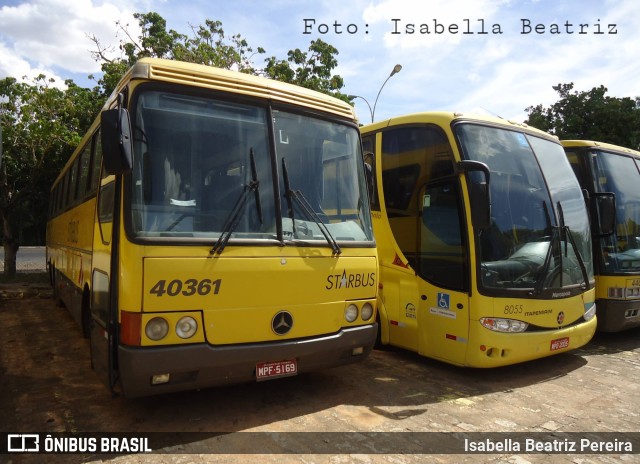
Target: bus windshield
[(538, 238), (205, 168), (620, 175)]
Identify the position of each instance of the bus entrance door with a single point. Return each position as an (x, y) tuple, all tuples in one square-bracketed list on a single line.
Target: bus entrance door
[(444, 323), (441, 268), (104, 318)]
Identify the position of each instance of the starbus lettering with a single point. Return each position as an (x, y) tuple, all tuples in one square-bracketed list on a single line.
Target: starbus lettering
[(348, 280)]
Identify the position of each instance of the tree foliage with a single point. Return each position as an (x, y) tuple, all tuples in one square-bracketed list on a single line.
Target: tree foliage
[(589, 115), (41, 126), (207, 45), (312, 69)]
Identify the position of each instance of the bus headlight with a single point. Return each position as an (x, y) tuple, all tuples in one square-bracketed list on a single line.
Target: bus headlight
[(633, 293), (503, 325), (351, 313), (157, 328), (615, 292), (186, 327), (367, 311), (589, 311)]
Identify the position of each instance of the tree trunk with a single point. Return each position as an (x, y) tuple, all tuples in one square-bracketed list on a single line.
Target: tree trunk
[(10, 248)]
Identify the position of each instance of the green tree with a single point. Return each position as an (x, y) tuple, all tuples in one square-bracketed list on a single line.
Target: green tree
[(312, 69), (207, 45), (589, 115), (41, 125)]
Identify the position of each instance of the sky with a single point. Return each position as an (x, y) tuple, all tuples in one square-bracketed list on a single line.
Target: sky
[(476, 56)]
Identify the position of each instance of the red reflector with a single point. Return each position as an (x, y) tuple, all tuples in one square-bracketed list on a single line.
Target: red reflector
[(393, 322), (130, 328), (451, 337)]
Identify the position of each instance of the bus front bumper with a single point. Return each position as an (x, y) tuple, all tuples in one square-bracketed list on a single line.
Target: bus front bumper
[(494, 349), (200, 366), (617, 315)]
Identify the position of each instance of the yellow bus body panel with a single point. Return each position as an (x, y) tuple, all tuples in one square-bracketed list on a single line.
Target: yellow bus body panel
[(255, 289)]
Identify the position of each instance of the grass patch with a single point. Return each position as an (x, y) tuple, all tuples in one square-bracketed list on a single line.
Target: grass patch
[(26, 278)]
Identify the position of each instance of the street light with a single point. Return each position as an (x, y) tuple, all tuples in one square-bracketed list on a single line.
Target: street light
[(396, 69), (365, 100)]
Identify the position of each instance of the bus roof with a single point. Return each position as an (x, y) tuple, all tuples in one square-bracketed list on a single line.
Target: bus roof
[(445, 118), (210, 77), (600, 145)]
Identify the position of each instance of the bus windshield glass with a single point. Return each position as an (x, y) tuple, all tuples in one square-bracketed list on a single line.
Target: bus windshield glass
[(538, 238), (206, 168), (619, 175)]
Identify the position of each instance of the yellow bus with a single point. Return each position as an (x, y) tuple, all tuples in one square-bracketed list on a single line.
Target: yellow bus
[(609, 170), (483, 240), (214, 228)]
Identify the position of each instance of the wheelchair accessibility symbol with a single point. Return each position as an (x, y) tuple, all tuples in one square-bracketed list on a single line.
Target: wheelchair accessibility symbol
[(443, 300)]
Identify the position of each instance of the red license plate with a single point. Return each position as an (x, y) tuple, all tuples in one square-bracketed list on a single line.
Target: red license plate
[(559, 344), (272, 370)]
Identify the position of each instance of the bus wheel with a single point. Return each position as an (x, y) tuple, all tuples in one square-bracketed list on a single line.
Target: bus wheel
[(86, 314), (378, 345), (56, 288)]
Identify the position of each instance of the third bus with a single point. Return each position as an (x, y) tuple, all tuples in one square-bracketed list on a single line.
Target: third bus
[(606, 170)]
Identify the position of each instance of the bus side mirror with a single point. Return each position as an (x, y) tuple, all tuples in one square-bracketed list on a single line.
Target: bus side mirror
[(116, 140), (479, 192), (369, 159), (603, 214)]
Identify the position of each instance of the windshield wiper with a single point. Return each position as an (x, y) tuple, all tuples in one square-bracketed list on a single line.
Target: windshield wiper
[(236, 212), (561, 233), (307, 209), (547, 261), (576, 251)]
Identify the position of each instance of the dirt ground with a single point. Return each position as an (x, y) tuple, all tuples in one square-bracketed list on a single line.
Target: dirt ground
[(378, 411)]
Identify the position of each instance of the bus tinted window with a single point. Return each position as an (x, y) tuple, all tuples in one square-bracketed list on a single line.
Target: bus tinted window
[(96, 162), (415, 162), (84, 164), (194, 156), (525, 215), (619, 175)]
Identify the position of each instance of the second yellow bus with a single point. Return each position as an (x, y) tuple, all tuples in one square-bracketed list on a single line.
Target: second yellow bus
[(483, 239)]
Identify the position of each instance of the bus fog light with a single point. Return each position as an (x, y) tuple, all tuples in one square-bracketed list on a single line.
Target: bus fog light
[(186, 327), (159, 379), (351, 313), (589, 311), (157, 328), (367, 311), (503, 325)]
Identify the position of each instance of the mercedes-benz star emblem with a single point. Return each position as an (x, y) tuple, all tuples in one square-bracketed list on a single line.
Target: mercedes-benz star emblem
[(282, 322)]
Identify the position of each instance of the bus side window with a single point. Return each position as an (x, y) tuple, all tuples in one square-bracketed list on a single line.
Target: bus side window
[(96, 162), (83, 168)]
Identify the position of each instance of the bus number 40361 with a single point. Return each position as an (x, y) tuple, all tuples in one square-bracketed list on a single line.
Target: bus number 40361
[(187, 287)]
